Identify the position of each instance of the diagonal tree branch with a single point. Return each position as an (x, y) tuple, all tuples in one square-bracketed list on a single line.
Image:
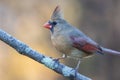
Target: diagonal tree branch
[(23, 49)]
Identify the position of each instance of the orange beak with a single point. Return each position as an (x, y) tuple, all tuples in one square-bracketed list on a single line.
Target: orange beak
[(47, 25)]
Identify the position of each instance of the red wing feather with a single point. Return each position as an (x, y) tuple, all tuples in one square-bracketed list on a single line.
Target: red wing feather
[(84, 45), (89, 48)]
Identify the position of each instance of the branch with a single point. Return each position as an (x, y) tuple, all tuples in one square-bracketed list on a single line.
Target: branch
[(23, 49)]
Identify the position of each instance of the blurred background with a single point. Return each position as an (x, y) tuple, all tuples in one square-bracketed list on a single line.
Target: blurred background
[(99, 19)]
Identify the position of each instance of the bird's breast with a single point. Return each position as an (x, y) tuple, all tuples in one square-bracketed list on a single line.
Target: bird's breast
[(62, 43)]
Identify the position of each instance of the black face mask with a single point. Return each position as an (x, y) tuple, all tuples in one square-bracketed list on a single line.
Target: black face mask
[(53, 25)]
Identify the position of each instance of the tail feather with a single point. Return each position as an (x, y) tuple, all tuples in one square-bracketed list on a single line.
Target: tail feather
[(110, 51)]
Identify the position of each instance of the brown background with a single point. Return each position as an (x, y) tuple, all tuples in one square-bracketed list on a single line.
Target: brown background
[(99, 19)]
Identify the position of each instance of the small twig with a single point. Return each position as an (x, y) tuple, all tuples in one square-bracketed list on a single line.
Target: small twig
[(23, 49)]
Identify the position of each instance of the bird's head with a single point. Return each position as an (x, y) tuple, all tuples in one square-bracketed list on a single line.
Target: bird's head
[(56, 20)]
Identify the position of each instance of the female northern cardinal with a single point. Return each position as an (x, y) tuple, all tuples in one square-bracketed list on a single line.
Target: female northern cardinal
[(71, 41)]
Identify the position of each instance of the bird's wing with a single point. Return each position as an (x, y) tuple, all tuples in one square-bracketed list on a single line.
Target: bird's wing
[(85, 45)]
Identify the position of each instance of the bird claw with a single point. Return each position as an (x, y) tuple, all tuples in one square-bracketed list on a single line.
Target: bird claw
[(56, 59), (76, 71)]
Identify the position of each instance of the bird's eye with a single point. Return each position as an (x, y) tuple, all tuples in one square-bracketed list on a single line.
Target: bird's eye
[(54, 23)]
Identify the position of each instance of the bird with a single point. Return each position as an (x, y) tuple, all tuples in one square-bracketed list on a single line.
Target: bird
[(71, 41)]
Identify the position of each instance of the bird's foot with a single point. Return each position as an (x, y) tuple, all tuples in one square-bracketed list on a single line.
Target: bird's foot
[(57, 59), (76, 71)]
